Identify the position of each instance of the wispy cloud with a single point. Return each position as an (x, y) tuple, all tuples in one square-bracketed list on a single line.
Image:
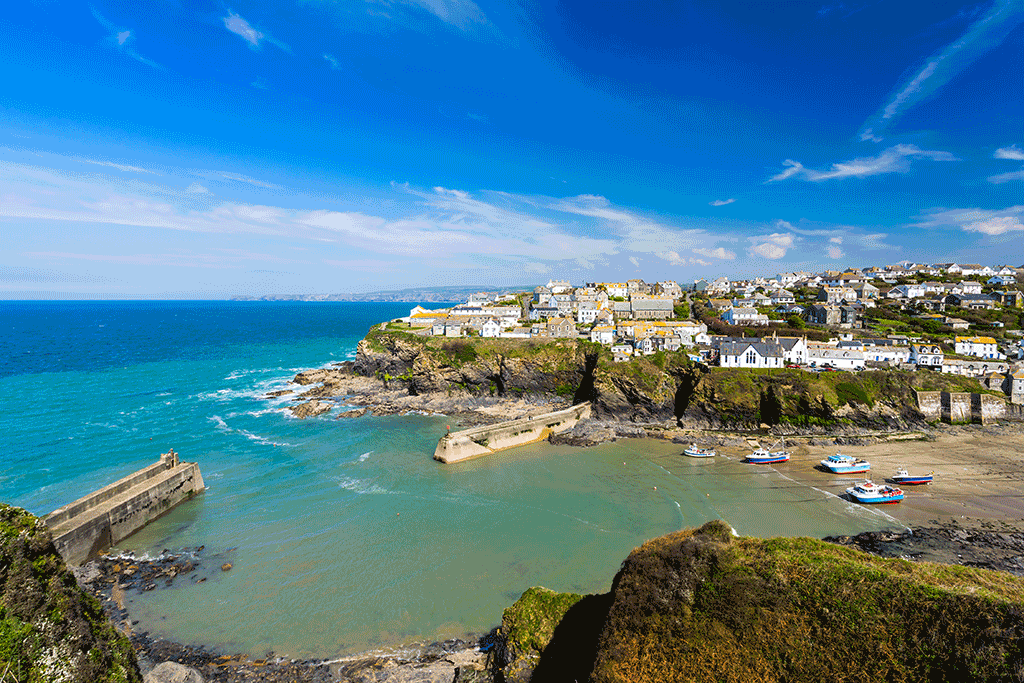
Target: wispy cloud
[(240, 27), (11, 274), (719, 252), (1013, 152), (463, 14), (196, 188), (246, 179), (893, 160), (122, 39), (721, 202), (120, 167), (1007, 177), (985, 221), (981, 36), (833, 250), (676, 260), (333, 61), (635, 261)]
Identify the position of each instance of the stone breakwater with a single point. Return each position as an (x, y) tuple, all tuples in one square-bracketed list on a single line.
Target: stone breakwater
[(470, 443), (94, 523)]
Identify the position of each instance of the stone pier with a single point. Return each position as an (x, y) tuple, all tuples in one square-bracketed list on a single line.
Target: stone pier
[(477, 441), (91, 525)]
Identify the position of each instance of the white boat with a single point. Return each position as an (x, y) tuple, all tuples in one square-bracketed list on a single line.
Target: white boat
[(845, 464), (695, 452), (775, 453), (904, 477), (870, 492)]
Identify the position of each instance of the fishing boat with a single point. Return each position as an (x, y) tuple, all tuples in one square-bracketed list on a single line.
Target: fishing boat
[(775, 453), (695, 452), (905, 478), (845, 464), (869, 492)]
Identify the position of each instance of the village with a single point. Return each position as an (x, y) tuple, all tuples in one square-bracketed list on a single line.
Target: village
[(963, 319)]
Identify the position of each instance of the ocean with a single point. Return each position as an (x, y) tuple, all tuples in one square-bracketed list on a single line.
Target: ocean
[(344, 535)]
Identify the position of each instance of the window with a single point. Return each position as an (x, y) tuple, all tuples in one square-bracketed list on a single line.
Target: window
[(751, 357)]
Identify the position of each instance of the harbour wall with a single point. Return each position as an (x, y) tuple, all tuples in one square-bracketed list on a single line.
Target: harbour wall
[(471, 443), (92, 524), (960, 407)]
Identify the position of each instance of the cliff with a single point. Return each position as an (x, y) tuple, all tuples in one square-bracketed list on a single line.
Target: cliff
[(664, 387), (50, 630), (703, 605)]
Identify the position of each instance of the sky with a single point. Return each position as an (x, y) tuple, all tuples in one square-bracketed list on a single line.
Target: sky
[(207, 149)]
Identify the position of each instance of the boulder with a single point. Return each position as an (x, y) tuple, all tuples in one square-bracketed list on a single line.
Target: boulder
[(172, 672), (310, 409)]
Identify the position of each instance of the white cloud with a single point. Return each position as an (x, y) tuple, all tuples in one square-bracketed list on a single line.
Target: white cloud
[(996, 225), (1012, 152), (333, 61), (246, 179), (834, 252), (536, 268), (719, 252), (635, 261), (721, 202), (241, 27), (773, 246), (1007, 177), (463, 14), (836, 240), (892, 160), (121, 39), (985, 221), (196, 188), (869, 136), (111, 164), (981, 36)]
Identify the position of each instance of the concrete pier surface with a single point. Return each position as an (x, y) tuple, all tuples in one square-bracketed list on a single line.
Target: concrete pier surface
[(92, 524), (471, 443)]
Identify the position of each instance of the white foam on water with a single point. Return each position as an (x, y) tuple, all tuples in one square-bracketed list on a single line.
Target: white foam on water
[(361, 486), (365, 456)]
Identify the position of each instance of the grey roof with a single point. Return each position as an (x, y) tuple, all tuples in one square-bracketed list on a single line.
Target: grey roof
[(766, 348), (652, 305)]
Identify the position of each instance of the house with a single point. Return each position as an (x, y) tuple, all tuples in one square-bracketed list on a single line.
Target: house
[(783, 297), (955, 323), (979, 347), (973, 368), (1017, 387), (1011, 298), (891, 354), (836, 295), (744, 316), (968, 269), (1002, 280), (1007, 270), (866, 291), (971, 301), (669, 288), (751, 354), (517, 333), (561, 328), (490, 328), (834, 316), (819, 355), (452, 329), (543, 312), (927, 355), (949, 268), (603, 334), (437, 329), (618, 289), (910, 291), (541, 295), (787, 279), (651, 309), (586, 313), (559, 286), (794, 349), (966, 287)]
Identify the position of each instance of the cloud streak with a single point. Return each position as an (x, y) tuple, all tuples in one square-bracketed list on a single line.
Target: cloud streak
[(721, 202), (895, 159), (983, 35), (121, 39), (985, 221), (1013, 152)]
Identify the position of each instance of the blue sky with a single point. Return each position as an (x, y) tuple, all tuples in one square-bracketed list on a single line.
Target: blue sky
[(207, 149)]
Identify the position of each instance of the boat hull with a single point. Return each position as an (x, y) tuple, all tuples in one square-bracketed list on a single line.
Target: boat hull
[(698, 454), (854, 469), (877, 500), (767, 460), (913, 481)]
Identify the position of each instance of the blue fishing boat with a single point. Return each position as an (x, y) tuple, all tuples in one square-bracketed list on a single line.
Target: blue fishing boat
[(903, 477), (764, 456), (869, 492), (845, 464), (694, 452)]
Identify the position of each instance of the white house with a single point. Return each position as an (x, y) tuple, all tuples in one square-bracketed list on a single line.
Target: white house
[(794, 349), (490, 328), (887, 354), (752, 354), (980, 347), (586, 313), (927, 355), (1002, 280), (558, 286), (967, 287), (603, 334), (744, 316), (912, 291), (841, 359)]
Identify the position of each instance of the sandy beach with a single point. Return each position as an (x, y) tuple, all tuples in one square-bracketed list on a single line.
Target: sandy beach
[(979, 473)]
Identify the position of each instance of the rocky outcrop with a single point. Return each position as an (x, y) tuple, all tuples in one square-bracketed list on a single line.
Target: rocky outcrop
[(310, 409), (704, 605), (50, 630)]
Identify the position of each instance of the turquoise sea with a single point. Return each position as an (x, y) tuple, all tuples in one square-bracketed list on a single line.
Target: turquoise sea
[(344, 535)]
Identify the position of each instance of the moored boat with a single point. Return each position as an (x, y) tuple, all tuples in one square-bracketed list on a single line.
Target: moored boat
[(775, 453), (870, 492), (845, 464), (903, 477), (695, 452)]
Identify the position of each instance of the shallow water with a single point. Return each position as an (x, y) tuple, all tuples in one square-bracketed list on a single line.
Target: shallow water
[(344, 535)]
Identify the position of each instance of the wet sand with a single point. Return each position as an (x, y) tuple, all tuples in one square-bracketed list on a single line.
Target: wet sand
[(979, 473)]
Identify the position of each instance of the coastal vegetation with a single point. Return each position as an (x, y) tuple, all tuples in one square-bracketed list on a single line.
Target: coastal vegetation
[(50, 630), (704, 605), (655, 388)]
